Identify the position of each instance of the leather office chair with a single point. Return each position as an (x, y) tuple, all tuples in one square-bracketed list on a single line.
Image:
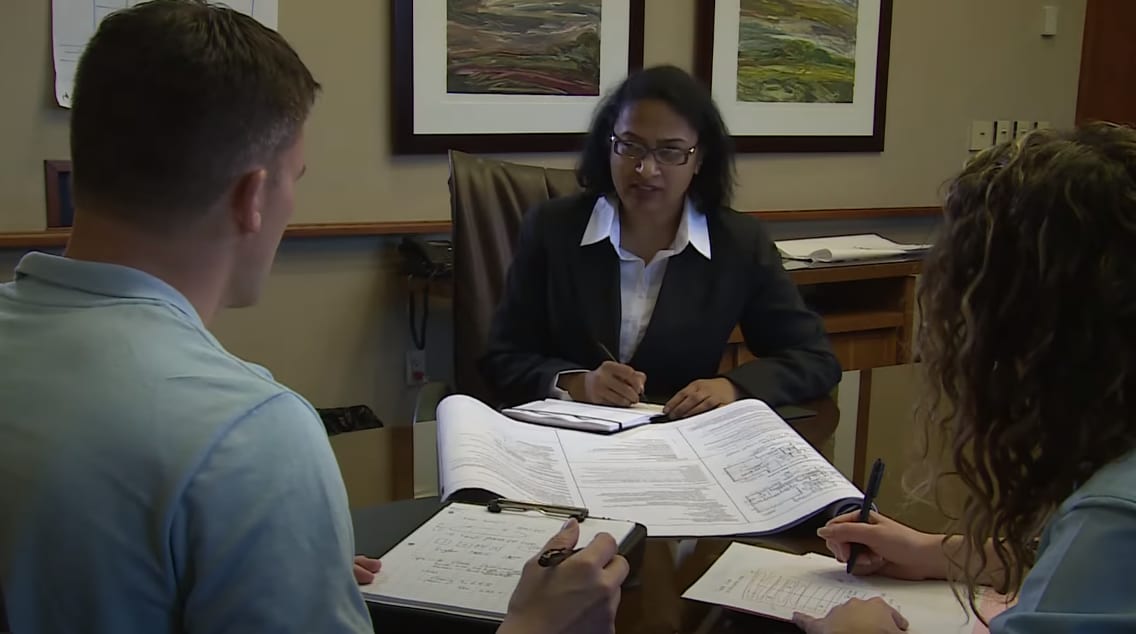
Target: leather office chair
[(488, 198)]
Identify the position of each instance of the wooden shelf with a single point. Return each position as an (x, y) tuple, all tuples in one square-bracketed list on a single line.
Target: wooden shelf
[(58, 237), (836, 323), (808, 215), (34, 239), (853, 272)]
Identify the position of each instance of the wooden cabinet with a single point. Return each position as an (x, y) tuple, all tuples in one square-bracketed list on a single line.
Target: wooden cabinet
[(1107, 88), (868, 312)]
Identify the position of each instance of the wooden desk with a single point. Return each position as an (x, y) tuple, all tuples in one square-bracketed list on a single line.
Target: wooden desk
[(655, 605)]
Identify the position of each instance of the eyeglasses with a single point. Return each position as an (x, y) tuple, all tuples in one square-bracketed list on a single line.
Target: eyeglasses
[(663, 155)]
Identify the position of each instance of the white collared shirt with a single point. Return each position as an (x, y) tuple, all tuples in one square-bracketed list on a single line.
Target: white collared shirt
[(639, 281)]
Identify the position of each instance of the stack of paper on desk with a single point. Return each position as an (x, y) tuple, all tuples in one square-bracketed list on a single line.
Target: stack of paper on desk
[(844, 248), (777, 584), (739, 469)]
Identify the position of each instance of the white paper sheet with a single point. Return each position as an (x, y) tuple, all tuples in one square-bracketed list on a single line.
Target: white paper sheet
[(736, 470), (466, 560), (843, 248), (777, 584), (73, 22)]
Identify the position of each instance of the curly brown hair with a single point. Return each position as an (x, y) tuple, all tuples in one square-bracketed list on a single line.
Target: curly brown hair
[(1029, 333)]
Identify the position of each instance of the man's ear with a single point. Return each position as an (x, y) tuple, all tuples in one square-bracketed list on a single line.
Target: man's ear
[(247, 201)]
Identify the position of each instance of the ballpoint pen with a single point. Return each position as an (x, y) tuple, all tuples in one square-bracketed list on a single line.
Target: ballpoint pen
[(866, 507), (607, 353), (555, 556), (611, 357)]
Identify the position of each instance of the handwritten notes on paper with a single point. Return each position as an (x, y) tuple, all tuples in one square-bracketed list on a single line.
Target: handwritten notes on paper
[(738, 469), (466, 560), (74, 22), (778, 584)]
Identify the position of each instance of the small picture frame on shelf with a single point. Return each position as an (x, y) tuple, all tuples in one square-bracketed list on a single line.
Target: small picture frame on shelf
[(60, 203)]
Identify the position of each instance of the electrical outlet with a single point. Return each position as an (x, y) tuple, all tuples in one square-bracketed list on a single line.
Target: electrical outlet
[(415, 367)]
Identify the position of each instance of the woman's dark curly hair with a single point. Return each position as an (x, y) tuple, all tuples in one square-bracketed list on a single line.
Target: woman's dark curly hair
[(1029, 333), (713, 185)]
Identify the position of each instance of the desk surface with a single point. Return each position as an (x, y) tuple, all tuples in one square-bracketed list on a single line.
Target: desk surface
[(669, 567)]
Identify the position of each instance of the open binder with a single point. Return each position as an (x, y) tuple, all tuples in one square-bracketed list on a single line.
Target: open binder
[(462, 564)]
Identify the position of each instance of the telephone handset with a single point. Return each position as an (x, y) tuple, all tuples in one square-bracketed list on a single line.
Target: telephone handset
[(427, 258)]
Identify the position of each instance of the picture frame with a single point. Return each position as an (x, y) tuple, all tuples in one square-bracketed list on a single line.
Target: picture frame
[(835, 104), (444, 97), (60, 206)]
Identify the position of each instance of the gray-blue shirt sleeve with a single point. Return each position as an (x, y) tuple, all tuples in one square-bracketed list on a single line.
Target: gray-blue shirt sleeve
[(1084, 580), (262, 540)]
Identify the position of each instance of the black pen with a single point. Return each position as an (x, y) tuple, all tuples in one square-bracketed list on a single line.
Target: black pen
[(866, 507), (611, 357), (555, 556), (607, 353)]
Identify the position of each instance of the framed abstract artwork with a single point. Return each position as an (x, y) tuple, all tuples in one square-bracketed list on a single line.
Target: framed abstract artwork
[(505, 75), (797, 75)]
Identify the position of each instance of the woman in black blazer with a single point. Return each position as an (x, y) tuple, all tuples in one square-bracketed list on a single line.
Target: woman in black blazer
[(631, 289)]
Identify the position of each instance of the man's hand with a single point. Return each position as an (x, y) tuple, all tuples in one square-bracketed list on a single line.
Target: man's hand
[(855, 617), (366, 569), (579, 596), (610, 384), (700, 396)]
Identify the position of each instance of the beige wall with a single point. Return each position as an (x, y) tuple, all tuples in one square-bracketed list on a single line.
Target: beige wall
[(332, 323)]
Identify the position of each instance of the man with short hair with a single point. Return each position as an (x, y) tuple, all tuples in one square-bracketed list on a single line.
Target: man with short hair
[(149, 480)]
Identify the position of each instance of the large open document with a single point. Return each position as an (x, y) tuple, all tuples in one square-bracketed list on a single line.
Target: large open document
[(736, 470)]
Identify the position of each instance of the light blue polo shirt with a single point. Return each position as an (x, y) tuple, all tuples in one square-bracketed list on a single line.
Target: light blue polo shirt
[(149, 480)]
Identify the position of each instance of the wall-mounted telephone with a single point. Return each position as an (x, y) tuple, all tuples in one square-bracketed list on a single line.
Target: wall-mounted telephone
[(427, 258)]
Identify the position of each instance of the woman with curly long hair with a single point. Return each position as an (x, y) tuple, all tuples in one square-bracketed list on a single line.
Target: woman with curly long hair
[(1029, 340)]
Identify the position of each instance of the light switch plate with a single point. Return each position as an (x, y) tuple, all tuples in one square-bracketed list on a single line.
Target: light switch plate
[(1003, 130), (1049, 20), (981, 135), (1022, 128)]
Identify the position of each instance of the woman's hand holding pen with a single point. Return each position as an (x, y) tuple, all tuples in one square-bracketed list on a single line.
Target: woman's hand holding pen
[(579, 595), (610, 384), (890, 548)]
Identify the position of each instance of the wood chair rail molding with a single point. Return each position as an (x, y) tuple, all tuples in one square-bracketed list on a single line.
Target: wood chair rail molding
[(52, 238)]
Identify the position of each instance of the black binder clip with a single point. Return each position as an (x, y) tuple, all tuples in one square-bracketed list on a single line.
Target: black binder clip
[(501, 505)]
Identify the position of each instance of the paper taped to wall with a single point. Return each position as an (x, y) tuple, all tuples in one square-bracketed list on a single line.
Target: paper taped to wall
[(73, 22)]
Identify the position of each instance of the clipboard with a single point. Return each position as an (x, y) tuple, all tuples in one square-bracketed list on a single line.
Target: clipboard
[(459, 566)]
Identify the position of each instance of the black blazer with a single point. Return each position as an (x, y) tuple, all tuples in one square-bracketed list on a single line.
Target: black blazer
[(561, 298)]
